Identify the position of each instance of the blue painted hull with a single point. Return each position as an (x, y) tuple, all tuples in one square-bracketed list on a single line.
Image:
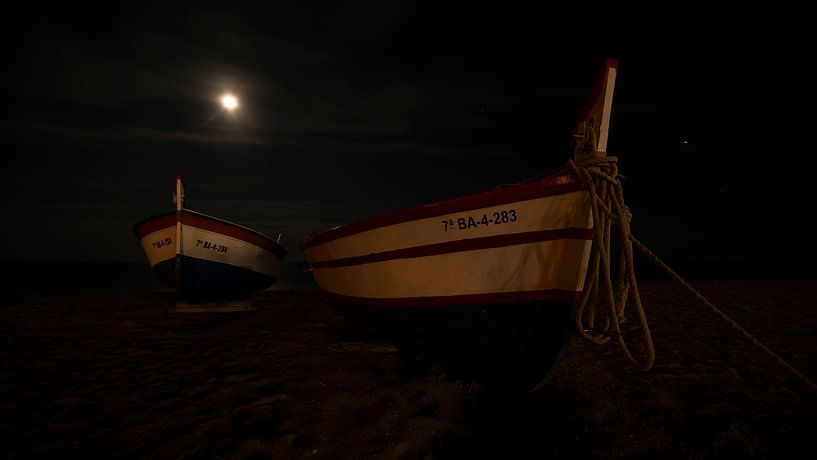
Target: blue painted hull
[(203, 280)]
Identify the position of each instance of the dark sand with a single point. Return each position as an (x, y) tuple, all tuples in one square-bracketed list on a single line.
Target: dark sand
[(113, 374)]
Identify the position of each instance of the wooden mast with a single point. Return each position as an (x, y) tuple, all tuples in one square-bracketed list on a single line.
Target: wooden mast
[(178, 199), (593, 125)]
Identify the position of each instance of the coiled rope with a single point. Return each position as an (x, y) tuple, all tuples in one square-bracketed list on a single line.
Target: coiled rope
[(607, 205), (600, 174)]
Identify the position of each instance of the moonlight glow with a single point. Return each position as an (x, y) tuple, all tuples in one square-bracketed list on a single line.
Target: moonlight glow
[(229, 102)]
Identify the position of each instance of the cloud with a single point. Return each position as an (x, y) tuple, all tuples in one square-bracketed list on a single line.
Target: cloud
[(315, 141), (161, 83), (149, 135)]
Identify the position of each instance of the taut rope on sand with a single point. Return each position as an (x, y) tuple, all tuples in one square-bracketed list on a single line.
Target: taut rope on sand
[(608, 208)]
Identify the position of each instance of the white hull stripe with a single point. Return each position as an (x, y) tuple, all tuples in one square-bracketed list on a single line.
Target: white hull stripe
[(207, 245), (568, 210), (528, 190), (160, 245), (540, 266)]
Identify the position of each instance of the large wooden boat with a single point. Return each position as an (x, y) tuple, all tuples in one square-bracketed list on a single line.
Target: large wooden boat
[(216, 259), (490, 279)]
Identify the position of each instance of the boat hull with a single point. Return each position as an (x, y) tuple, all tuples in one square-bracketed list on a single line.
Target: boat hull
[(202, 280), (514, 345), (217, 259), (493, 297)]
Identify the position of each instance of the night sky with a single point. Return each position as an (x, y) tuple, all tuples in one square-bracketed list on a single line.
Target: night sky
[(348, 110)]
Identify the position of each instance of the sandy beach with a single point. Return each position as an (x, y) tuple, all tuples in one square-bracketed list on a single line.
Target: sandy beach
[(112, 374)]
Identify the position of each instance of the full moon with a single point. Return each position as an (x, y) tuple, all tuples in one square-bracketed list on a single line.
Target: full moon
[(229, 102)]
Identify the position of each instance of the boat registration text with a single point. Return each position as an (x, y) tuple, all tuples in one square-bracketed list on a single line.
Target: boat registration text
[(505, 216), (212, 246)]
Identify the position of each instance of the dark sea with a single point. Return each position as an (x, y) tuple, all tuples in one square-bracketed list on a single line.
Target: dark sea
[(113, 276)]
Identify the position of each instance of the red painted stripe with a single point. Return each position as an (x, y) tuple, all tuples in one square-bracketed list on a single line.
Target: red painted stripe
[(469, 244), (546, 295), (549, 186), (205, 222), (223, 227), (155, 223)]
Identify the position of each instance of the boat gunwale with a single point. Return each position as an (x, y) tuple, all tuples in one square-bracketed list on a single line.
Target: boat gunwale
[(531, 189), (267, 243)]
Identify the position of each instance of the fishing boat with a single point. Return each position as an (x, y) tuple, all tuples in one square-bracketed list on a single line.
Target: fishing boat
[(216, 260), (490, 280)]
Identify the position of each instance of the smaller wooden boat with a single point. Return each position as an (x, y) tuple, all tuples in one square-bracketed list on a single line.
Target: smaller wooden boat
[(215, 260)]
